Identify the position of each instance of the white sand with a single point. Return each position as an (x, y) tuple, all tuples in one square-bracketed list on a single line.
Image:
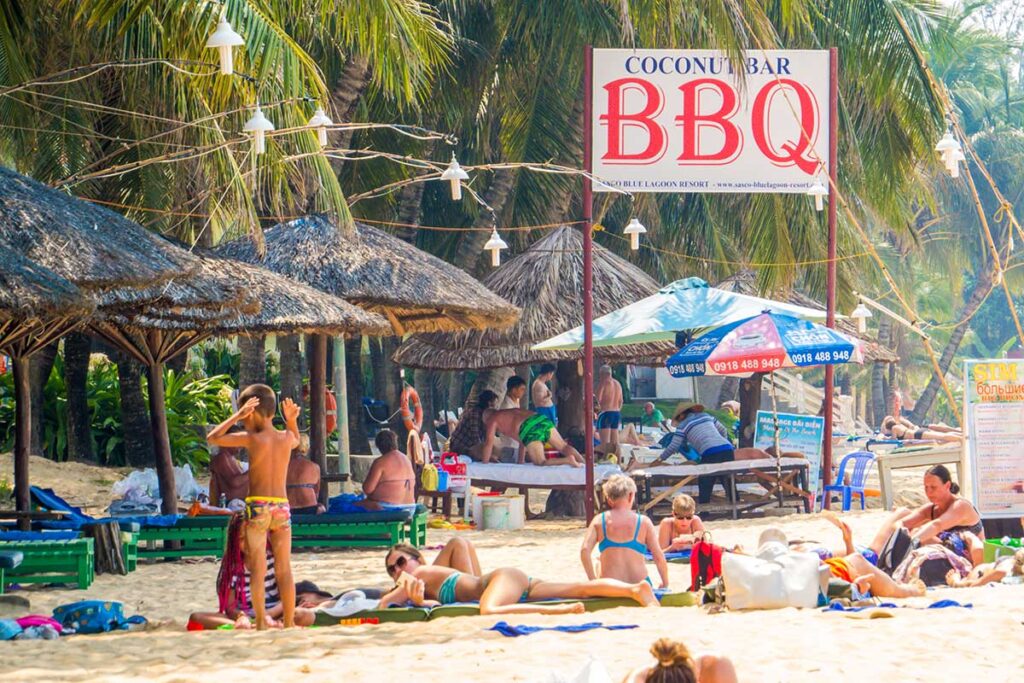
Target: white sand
[(983, 643)]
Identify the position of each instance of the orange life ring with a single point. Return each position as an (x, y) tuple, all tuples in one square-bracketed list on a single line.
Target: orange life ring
[(331, 412), (412, 417)]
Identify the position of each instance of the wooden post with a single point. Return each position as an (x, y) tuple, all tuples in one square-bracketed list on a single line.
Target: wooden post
[(341, 398), (588, 276), (318, 407), (161, 439), (830, 295), (22, 439)]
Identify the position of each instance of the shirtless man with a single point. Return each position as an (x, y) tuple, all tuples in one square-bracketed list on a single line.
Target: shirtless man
[(531, 430), (391, 479), (303, 482), (266, 507), (609, 401), (227, 476), (543, 401), (515, 389)]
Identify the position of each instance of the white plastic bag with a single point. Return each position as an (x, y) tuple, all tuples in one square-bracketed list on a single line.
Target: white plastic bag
[(773, 579), (143, 484)]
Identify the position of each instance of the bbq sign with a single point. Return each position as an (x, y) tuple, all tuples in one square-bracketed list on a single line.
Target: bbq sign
[(698, 121)]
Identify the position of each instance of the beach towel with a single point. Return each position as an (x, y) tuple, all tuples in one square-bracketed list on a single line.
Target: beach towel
[(510, 631), (672, 556), (837, 606)]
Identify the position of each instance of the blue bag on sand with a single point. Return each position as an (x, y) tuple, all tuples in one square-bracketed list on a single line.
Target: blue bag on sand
[(94, 616)]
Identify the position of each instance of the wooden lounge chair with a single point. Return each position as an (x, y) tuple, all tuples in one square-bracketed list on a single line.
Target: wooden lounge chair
[(51, 561), (360, 529), (202, 536)]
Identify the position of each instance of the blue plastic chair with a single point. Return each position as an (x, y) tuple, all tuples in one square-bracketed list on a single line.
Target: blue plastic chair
[(862, 463)]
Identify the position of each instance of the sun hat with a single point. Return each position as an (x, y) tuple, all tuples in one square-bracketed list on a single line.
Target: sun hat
[(772, 533), (310, 587), (683, 406)]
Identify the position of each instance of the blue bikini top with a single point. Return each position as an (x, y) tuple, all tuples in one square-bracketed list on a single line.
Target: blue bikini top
[(633, 544)]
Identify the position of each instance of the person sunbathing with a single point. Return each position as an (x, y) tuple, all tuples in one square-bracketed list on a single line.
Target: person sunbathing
[(530, 429), (903, 429), (391, 479), (989, 572), (676, 665), (234, 595), (503, 591), (622, 559), (302, 482), (679, 531), (228, 476)]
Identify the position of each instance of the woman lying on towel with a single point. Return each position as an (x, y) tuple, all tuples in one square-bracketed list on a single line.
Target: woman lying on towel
[(990, 572), (503, 591), (676, 664)]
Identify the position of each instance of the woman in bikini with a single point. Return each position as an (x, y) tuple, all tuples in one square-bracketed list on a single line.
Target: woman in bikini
[(623, 559), (679, 531), (391, 479), (904, 429), (503, 591), (947, 519)]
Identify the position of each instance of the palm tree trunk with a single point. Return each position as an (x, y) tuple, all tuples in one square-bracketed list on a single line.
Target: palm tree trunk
[(135, 425), (253, 362), (161, 440), (470, 249), (394, 383), (879, 394), (77, 347), (291, 372), (358, 441), (455, 392), (750, 403), (345, 96), (570, 397), (974, 300), (22, 437), (38, 375)]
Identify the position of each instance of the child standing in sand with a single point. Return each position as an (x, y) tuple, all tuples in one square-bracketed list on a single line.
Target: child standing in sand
[(266, 507), (622, 559), (677, 532)]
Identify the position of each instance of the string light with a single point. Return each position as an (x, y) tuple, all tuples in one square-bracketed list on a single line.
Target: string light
[(819, 192), (225, 40), (951, 151), (861, 315), (634, 229), (259, 125), (494, 245), (320, 121), (455, 175)]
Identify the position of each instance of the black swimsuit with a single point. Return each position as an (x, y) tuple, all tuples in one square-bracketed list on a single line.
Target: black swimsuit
[(978, 529)]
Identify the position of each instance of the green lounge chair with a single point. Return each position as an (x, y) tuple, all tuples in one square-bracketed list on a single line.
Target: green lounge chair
[(9, 559), (203, 536), (360, 529), (59, 561)]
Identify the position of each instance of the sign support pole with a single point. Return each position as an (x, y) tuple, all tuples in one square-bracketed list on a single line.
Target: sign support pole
[(830, 296), (588, 278)]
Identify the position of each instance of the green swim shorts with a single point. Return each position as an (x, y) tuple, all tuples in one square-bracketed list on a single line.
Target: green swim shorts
[(535, 428)]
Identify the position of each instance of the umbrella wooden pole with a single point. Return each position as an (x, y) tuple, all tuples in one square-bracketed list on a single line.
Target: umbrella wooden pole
[(318, 408), (588, 279), (161, 439), (775, 435), (830, 298), (22, 439)]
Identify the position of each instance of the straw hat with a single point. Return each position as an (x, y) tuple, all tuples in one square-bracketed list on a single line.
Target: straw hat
[(683, 406)]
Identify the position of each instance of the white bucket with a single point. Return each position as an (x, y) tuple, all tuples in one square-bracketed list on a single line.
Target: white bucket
[(500, 512)]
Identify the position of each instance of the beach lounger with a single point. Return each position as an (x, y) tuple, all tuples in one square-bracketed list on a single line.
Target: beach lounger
[(502, 476), (792, 485), (9, 559), (360, 529), (202, 536), (467, 609), (46, 560)]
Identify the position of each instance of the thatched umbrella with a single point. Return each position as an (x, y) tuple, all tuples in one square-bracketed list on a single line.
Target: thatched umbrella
[(546, 282), (416, 291), (88, 246), (155, 335), (37, 306)]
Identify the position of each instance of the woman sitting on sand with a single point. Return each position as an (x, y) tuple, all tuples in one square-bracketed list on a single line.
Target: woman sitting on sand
[(675, 665), (234, 596), (622, 559), (947, 519), (679, 531), (502, 591)]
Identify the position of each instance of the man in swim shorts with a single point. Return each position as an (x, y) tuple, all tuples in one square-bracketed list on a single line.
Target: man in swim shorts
[(609, 400), (532, 431)]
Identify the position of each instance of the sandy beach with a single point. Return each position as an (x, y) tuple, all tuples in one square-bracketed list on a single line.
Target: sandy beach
[(981, 643)]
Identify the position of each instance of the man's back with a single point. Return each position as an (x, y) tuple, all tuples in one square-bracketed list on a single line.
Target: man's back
[(541, 394), (609, 394)]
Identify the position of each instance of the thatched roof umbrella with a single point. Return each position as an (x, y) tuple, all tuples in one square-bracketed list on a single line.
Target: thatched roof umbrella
[(274, 304), (416, 291), (88, 246), (546, 282)]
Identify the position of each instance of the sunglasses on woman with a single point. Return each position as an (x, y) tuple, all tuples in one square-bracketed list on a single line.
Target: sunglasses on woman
[(689, 516), (399, 564)]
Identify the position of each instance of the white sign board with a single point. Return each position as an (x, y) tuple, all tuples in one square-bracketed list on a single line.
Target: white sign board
[(697, 121), (994, 409)]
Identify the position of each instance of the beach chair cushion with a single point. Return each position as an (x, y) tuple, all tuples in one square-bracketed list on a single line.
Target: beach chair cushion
[(467, 609), (9, 559), (75, 519), (39, 535)]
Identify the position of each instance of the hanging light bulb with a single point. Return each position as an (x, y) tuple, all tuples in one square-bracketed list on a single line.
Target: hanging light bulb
[(634, 229), (455, 175), (946, 144), (494, 245), (320, 121), (259, 125), (224, 39), (998, 279), (861, 315), (953, 161), (819, 192)]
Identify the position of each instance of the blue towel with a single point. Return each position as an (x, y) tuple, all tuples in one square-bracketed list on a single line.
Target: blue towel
[(38, 535), (674, 555), (836, 606), (941, 604), (76, 519), (506, 629)]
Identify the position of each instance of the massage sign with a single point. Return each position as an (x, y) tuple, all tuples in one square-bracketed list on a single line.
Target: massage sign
[(700, 121), (994, 411)]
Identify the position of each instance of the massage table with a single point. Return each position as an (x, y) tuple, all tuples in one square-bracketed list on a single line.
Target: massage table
[(919, 456), (525, 477), (766, 471)]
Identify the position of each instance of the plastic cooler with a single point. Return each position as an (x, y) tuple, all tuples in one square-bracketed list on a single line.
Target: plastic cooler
[(999, 548)]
